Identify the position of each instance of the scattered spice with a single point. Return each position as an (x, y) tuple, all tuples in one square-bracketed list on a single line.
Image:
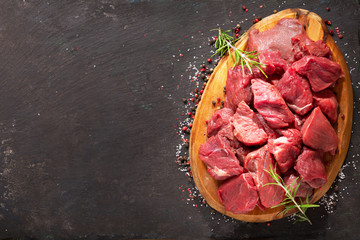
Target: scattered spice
[(340, 36), (275, 11), (328, 9)]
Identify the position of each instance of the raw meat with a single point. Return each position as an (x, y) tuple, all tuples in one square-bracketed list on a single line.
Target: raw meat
[(220, 160), (269, 131), (219, 119), (321, 72), (238, 87), (296, 92), (328, 104), (311, 168), (236, 147), (286, 149), (269, 103), (299, 121), (239, 194), (304, 189), (273, 61), (247, 127), (256, 163), (304, 46), (318, 133), (277, 38)]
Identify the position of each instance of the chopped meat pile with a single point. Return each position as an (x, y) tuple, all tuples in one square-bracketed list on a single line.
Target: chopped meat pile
[(283, 122)]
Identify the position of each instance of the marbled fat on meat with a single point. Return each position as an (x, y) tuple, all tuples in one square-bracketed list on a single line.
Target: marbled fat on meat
[(286, 149), (219, 159)]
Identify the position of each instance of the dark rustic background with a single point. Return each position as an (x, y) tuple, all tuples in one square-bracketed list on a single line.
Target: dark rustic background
[(90, 92)]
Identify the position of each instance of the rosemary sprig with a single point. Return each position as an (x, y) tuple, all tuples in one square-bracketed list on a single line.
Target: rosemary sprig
[(225, 43), (290, 197)]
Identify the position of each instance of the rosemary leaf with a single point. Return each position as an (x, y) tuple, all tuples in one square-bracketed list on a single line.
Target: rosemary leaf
[(225, 44), (289, 202)]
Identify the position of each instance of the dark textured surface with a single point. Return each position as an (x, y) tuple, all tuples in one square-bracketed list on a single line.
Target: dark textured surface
[(89, 97)]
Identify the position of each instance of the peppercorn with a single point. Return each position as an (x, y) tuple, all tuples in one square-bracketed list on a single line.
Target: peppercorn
[(238, 26), (203, 65), (190, 125), (192, 108), (207, 71), (187, 130), (246, 10), (213, 102), (336, 188), (222, 103), (340, 36), (184, 128), (209, 60), (329, 22), (253, 21), (331, 32), (237, 35), (211, 70), (184, 100), (328, 9), (275, 11), (243, 7), (202, 75)]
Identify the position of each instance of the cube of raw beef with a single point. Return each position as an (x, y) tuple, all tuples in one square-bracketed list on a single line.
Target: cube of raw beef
[(219, 159), (286, 149), (269, 131), (270, 104), (277, 38), (296, 92), (311, 168), (236, 147), (320, 71), (238, 87), (218, 120), (273, 62), (256, 163), (303, 190), (239, 194), (247, 127), (318, 133), (328, 104), (304, 46)]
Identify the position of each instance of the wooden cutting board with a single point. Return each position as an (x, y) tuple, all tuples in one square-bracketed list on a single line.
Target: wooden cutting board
[(208, 187)]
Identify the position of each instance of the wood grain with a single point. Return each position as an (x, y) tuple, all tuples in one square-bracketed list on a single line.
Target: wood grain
[(207, 186)]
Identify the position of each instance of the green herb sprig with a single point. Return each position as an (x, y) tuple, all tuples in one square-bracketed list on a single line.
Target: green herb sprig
[(225, 43), (290, 197)]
